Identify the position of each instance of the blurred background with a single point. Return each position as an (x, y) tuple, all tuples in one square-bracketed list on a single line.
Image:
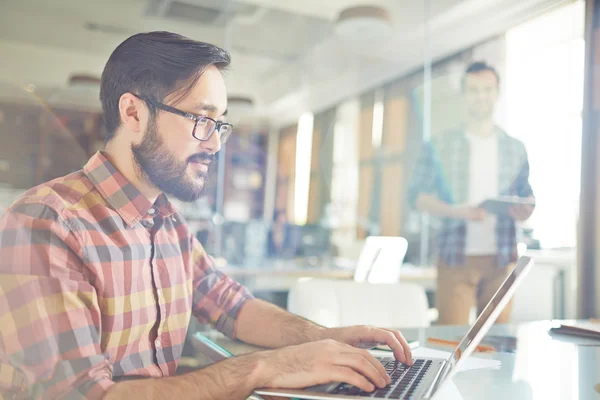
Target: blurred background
[(331, 101)]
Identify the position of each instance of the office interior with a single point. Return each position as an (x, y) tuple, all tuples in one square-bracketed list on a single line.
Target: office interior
[(331, 109)]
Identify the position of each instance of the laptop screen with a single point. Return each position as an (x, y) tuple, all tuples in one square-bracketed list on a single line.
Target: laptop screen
[(491, 311)]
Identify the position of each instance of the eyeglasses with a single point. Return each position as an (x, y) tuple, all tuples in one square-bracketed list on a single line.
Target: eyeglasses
[(204, 127)]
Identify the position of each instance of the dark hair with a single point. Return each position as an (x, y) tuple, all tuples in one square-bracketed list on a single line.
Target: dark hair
[(480, 66), (155, 65)]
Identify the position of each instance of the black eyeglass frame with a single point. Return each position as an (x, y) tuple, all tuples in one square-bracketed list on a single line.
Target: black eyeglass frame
[(196, 118)]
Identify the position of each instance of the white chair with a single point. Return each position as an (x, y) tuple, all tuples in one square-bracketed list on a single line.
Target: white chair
[(381, 259), (334, 303)]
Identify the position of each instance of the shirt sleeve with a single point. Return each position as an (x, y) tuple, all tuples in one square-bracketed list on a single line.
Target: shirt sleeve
[(426, 178), (522, 185), (217, 298), (50, 320)]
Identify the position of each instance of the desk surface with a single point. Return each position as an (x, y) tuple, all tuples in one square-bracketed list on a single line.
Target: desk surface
[(543, 368)]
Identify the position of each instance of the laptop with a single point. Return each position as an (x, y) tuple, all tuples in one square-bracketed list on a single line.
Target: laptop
[(427, 375)]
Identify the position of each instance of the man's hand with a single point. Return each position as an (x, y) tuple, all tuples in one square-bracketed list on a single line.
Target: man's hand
[(469, 213), (320, 362), (358, 335), (521, 212)]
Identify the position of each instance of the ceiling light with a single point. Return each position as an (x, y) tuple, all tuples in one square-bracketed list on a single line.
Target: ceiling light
[(362, 23), (239, 107), (84, 83)]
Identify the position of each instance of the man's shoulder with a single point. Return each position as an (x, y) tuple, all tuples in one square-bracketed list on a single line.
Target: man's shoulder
[(459, 135), (60, 194), (511, 141), (448, 136)]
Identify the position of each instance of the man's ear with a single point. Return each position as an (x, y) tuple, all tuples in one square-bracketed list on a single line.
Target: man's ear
[(132, 110)]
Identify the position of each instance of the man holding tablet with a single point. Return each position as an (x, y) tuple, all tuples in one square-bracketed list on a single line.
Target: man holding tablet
[(477, 180)]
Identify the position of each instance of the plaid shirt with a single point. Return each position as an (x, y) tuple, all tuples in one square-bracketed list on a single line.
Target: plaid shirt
[(443, 170), (97, 283)]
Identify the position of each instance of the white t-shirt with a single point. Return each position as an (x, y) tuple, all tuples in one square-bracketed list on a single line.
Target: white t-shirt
[(483, 184)]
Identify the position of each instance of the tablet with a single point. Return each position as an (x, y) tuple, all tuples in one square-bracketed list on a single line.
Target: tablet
[(501, 205)]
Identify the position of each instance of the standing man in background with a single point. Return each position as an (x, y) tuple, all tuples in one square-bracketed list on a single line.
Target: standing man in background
[(455, 173)]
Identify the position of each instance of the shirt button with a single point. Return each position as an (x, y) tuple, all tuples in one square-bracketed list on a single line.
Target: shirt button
[(152, 211), (146, 224), (157, 343)]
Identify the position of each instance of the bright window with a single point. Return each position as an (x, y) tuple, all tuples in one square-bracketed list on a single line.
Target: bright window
[(544, 89)]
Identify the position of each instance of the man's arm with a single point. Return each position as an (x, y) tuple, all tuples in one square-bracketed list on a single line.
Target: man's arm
[(233, 379), (308, 355), (424, 178), (428, 193), (293, 367), (226, 304), (217, 299), (266, 325), (524, 190)]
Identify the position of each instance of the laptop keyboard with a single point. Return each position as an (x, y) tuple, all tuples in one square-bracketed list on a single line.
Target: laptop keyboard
[(405, 380)]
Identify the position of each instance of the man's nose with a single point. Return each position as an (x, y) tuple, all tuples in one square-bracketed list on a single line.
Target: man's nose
[(213, 144)]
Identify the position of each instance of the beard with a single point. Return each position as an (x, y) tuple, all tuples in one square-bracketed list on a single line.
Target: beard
[(160, 168)]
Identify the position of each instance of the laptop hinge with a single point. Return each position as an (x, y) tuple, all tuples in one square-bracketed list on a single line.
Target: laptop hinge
[(442, 372)]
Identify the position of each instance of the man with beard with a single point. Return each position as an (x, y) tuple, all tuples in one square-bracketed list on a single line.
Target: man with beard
[(99, 274), (456, 172)]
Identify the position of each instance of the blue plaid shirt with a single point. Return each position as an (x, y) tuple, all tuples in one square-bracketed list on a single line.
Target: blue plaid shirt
[(443, 170)]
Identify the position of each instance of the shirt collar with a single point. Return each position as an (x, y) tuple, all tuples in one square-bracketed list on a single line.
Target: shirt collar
[(120, 194)]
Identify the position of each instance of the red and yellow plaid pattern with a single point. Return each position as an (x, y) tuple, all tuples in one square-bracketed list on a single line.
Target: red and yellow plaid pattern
[(96, 283)]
